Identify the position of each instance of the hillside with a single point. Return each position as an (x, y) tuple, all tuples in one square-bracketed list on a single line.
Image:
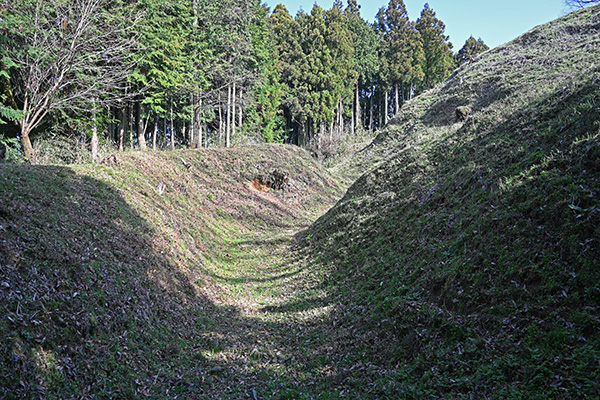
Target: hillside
[(465, 261)]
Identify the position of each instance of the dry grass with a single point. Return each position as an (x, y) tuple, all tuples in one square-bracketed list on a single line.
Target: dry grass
[(463, 264)]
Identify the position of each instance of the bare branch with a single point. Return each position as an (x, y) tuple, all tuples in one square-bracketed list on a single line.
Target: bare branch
[(580, 3), (72, 54)]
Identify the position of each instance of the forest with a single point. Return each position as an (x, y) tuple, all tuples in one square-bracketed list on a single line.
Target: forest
[(167, 74)]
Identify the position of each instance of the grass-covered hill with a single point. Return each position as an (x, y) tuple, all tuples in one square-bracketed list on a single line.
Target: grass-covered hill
[(463, 265), (466, 262), (127, 280)]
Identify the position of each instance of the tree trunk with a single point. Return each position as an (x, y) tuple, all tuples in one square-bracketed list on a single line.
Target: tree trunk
[(141, 127), (192, 121), (131, 125), (112, 127), (371, 112), (172, 128), (122, 128), (233, 101), (240, 113), (155, 133), (397, 96), (94, 143), (331, 127), (340, 121), (228, 115), (385, 108), (357, 124), (200, 135), (164, 138), (26, 144), (221, 127), (199, 130), (352, 120)]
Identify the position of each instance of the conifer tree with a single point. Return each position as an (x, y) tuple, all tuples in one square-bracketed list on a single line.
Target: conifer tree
[(402, 51), (291, 58), (315, 94), (343, 75), (163, 70), (365, 60), (471, 49), (267, 115), (439, 59)]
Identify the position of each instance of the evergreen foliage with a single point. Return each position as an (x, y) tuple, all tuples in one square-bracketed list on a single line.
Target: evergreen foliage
[(471, 49), (439, 61), (215, 73)]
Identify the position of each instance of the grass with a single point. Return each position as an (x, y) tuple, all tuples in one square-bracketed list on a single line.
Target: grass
[(114, 288), (462, 262), (473, 247)]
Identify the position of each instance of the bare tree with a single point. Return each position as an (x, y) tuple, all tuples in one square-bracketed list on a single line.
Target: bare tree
[(73, 55), (580, 3)]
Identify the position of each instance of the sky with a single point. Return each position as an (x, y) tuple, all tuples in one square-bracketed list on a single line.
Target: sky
[(496, 22)]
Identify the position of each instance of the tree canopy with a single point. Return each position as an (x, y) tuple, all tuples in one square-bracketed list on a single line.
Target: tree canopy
[(177, 73)]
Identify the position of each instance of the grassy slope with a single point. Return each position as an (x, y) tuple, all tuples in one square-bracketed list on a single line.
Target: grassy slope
[(455, 269), (465, 263), (125, 281)]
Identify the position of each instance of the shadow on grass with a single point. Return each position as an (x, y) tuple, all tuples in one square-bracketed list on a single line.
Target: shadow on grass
[(90, 307), (489, 236)]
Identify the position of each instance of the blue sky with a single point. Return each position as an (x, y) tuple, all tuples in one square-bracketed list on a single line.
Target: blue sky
[(496, 22)]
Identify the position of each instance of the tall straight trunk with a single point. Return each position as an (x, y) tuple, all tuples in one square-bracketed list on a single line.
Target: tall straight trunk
[(141, 127), (331, 128), (122, 128), (228, 116), (380, 111), (385, 108), (340, 118), (112, 136), (94, 133), (221, 127), (397, 96), (240, 110), (164, 135), (199, 130), (352, 120), (155, 132), (131, 125), (172, 128), (358, 123), (233, 101), (371, 112), (192, 121)]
